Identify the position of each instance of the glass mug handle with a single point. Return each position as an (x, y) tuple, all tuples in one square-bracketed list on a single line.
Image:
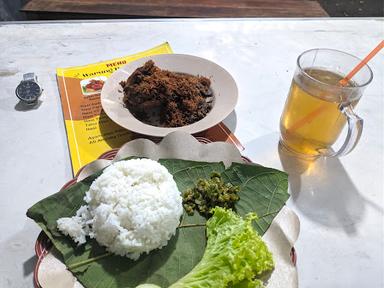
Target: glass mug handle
[(355, 128)]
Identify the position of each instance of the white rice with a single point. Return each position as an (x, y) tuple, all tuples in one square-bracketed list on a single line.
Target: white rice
[(133, 207)]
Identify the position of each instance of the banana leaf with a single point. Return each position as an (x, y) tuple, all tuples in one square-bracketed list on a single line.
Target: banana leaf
[(263, 190)]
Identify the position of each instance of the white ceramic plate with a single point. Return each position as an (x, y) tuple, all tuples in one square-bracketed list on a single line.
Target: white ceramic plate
[(223, 86)]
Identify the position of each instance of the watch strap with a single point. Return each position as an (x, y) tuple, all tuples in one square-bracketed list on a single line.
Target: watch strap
[(29, 77)]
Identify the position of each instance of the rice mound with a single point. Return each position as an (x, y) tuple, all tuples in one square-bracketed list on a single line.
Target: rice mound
[(134, 206)]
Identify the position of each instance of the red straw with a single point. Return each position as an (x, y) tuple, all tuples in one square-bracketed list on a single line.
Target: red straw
[(363, 62)]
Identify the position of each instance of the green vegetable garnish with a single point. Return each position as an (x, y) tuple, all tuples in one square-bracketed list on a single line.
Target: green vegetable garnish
[(210, 193), (235, 255)]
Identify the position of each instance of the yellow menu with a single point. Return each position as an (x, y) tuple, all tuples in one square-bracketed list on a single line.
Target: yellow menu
[(90, 132)]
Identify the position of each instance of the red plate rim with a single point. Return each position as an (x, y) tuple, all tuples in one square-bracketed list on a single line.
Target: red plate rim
[(43, 244)]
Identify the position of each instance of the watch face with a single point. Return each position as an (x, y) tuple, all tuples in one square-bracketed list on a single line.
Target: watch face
[(28, 91)]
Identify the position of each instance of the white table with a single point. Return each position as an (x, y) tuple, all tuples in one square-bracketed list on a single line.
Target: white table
[(339, 202)]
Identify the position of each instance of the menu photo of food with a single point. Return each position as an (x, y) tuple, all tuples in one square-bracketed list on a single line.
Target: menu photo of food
[(92, 86)]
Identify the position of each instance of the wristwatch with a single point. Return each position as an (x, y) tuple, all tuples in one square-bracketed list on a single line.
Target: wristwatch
[(29, 91)]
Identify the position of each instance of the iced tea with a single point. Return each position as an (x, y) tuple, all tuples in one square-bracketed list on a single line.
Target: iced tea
[(311, 120)]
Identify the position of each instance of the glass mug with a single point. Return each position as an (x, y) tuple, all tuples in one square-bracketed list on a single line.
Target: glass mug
[(318, 107)]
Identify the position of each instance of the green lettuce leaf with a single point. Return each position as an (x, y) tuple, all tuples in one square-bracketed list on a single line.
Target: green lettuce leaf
[(234, 256)]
